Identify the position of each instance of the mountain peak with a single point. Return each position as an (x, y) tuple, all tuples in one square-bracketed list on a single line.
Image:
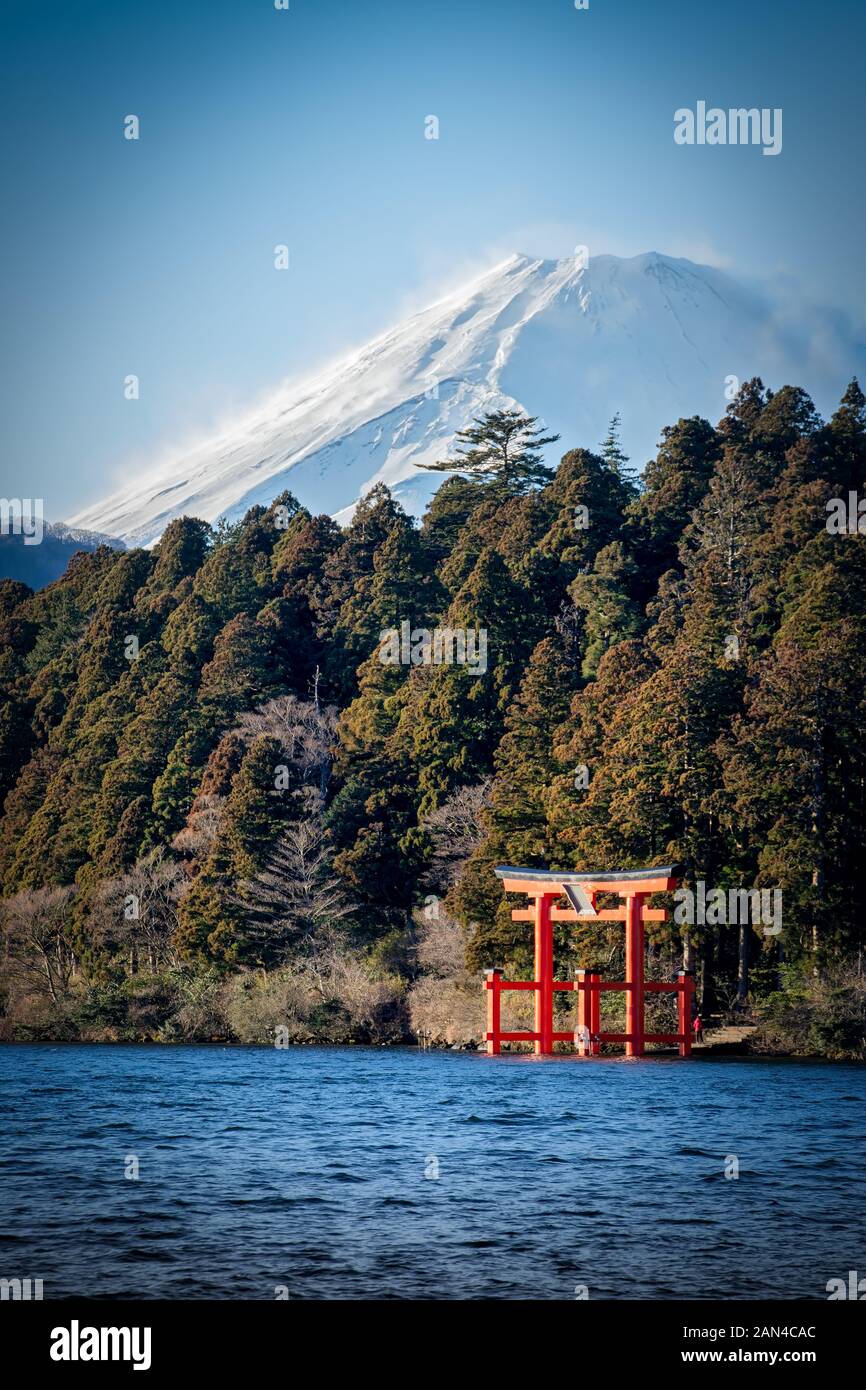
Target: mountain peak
[(651, 337)]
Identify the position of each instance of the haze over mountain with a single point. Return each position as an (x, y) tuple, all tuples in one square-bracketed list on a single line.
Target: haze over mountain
[(652, 337)]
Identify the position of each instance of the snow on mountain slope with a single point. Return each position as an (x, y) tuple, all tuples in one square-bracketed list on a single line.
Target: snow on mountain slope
[(652, 337)]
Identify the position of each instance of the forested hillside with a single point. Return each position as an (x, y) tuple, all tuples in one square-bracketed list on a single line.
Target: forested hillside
[(225, 813)]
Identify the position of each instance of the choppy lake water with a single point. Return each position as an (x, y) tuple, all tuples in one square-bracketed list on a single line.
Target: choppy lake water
[(392, 1173)]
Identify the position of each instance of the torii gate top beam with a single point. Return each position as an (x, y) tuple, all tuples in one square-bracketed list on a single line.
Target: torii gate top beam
[(659, 879)]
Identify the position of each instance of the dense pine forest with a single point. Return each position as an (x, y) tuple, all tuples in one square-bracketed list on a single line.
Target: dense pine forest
[(248, 796)]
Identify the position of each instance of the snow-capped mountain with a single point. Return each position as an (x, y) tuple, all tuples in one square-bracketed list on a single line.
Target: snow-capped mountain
[(40, 564), (652, 337), (80, 537)]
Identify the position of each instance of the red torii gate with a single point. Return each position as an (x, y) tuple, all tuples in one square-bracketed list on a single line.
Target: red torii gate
[(545, 887)]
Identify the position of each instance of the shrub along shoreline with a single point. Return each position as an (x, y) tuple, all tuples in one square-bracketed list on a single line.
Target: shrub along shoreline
[(812, 1017)]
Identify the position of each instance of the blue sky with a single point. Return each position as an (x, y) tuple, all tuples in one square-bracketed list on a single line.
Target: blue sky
[(306, 127)]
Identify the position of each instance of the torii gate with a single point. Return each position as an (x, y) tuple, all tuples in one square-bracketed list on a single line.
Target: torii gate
[(545, 887)]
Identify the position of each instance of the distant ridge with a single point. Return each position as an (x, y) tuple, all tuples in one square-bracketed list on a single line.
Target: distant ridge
[(38, 565)]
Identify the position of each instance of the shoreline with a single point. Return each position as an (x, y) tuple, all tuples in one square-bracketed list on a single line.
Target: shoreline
[(702, 1052)]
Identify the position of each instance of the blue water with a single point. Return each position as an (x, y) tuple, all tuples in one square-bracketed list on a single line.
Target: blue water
[(306, 1169)]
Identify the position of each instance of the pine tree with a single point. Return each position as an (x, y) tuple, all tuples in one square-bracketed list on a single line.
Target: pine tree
[(610, 615), (794, 769), (674, 483), (614, 455), (212, 925), (373, 815), (180, 553), (588, 502), (347, 577), (501, 448), (446, 516), (454, 715)]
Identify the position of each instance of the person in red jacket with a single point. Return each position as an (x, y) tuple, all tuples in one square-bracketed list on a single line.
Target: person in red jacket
[(698, 1029)]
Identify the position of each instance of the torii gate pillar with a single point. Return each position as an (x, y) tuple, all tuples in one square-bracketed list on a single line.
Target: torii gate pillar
[(634, 974), (544, 975)]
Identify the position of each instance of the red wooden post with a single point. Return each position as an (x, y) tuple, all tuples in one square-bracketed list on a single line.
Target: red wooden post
[(594, 1011), (494, 999), (684, 1011), (634, 974), (584, 1029), (544, 974)]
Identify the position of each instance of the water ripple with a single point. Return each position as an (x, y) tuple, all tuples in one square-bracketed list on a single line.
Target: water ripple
[(389, 1173)]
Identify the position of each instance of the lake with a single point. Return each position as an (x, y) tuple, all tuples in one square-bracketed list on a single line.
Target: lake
[(392, 1173)]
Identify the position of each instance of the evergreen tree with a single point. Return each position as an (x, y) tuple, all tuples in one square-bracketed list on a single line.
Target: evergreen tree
[(674, 483), (212, 925), (373, 816), (501, 448), (614, 455), (455, 711), (446, 516), (588, 502), (603, 597)]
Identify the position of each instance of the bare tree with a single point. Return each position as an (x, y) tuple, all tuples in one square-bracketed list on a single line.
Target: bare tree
[(38, 941), (340, 973), (202, 827), (137, 911), (305, 731), (296, 898), (441, 948), (456, 828)]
